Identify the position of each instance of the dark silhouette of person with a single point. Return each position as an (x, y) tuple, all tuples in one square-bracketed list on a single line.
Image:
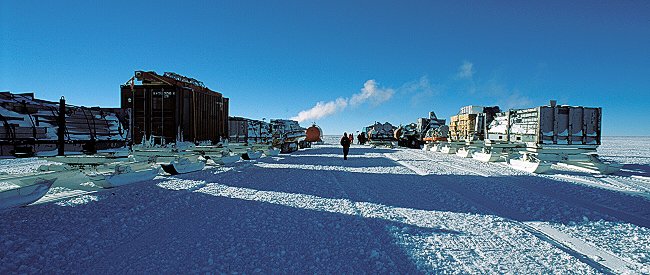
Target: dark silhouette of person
[(345, 142)]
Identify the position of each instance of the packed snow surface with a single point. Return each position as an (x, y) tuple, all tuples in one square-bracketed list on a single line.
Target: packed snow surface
[(382, 211)]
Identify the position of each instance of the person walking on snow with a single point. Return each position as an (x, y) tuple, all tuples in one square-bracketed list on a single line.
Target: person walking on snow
[(345, 142), (351, 137)]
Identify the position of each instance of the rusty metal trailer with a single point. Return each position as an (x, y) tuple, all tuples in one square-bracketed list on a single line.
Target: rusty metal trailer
[(171, 107)]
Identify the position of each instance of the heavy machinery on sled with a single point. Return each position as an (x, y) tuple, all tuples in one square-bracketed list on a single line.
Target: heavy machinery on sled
[(408, 136), (426, 130), (435, 136), (533, 139), (467, 130), (248, 138), (381, 134), (288, 135), (285, 135)]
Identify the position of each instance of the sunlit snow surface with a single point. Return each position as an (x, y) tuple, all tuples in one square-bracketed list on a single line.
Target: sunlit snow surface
[(381, 211)]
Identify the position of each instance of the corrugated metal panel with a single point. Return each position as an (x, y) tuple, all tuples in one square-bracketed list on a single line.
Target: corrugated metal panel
[(168, 112), (556, 125)]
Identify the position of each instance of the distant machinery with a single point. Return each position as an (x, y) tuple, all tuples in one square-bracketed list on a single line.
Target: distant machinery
[(250, 131), (381, 134), (288, 135), (530, 139), (429, 130)]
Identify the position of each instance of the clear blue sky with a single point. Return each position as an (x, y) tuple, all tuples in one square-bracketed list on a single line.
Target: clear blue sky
[(277, 58)]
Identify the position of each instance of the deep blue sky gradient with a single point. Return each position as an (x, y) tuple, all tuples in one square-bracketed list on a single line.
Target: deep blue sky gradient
[(276, 58)]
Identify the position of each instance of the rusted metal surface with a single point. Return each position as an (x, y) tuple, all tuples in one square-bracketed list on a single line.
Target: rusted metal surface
[(314, 134), (173, 107)]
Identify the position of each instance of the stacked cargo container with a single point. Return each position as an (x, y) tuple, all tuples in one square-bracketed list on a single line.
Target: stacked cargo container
[(244, 130), (171, 107), (463, 127)]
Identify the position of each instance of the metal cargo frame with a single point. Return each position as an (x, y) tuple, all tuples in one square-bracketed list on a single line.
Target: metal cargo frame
[(245, 130), (535, 138), (556, 125), (33, 126)]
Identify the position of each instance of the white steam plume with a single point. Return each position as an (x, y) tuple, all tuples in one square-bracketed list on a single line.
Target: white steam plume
[(371, 92), (322, 109)]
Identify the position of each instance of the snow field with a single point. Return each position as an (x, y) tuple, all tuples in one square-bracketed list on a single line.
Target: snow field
[(570, 208), (20, 166), (626, 150), (381, 211)]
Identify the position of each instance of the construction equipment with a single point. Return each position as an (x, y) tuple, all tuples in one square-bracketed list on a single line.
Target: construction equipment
[(266, 137), (427, 131), (248, 131), (414, 135), (408, 136)]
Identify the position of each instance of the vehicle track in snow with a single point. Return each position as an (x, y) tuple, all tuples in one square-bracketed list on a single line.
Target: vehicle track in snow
[(634, 181), (322, 190), (495, 208), (606, 182), (474, 268), (605, 209), (618, 264)]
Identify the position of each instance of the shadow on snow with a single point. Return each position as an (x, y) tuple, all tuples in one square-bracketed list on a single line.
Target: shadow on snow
[(144, 228)]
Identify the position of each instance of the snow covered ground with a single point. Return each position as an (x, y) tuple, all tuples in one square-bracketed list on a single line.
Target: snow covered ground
[(381, 211)]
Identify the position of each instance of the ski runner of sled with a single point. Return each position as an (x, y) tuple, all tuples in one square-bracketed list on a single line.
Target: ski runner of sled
[(345, 142)]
